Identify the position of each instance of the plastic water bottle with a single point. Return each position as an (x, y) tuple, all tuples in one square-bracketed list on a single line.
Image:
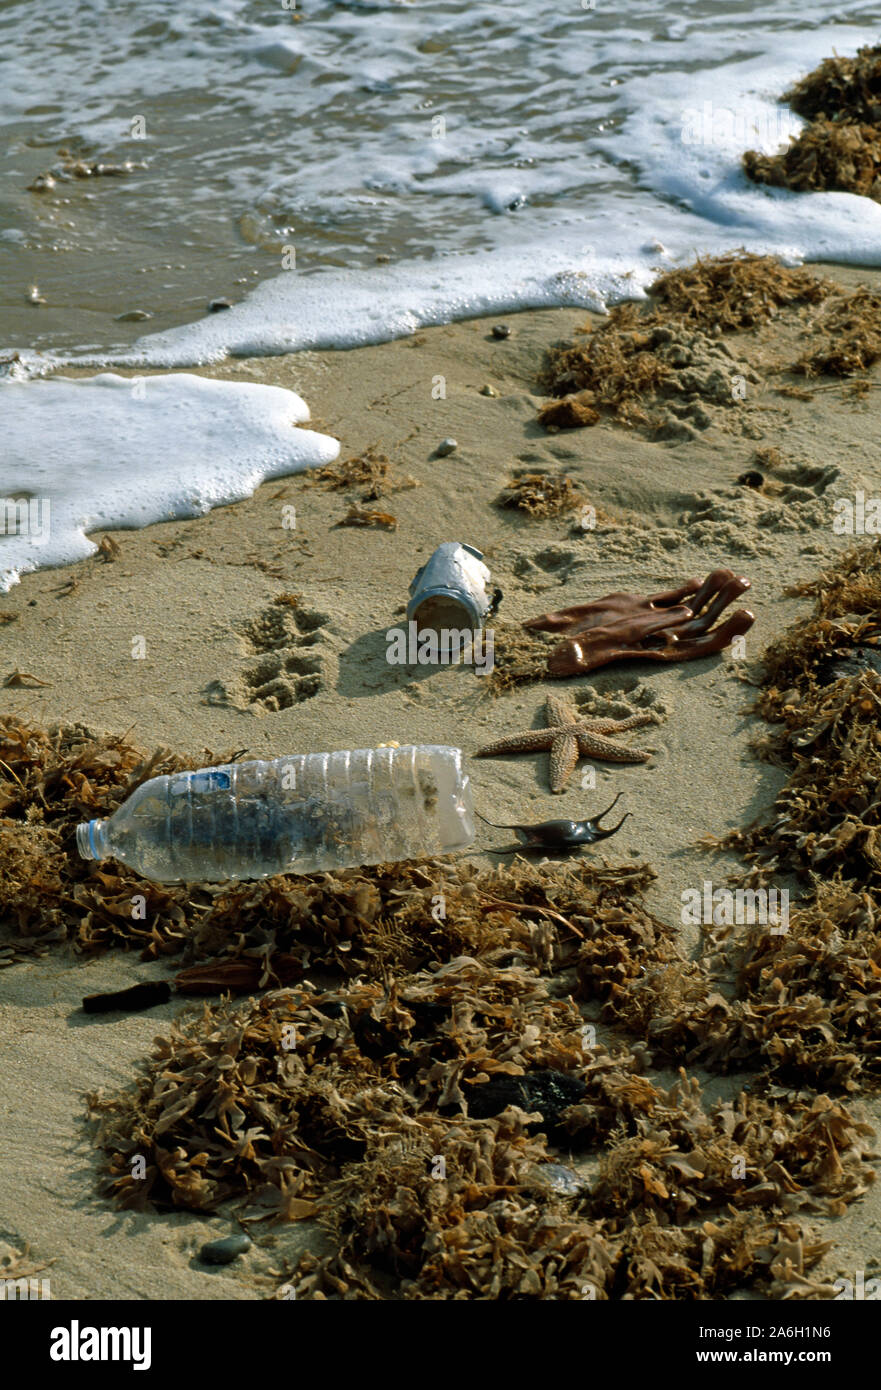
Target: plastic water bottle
[(294, 815)]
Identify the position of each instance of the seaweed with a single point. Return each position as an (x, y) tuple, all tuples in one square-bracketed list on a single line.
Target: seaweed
[(850, 337), (841, 89), (50, 780), (841, 147), (662, 366), (735, 291), (540, 493), (825, 156), (371, 471), (813, 998), (353, 1106), (422, 1052), (360, 516), (411, 1107)]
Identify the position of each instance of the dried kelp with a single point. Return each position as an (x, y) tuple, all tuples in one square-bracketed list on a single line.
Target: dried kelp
[(809, 1000), (404, 917), (360, 1104), (847, 337), (841, 89), (825, 156), (570, 413), (662, 366), (734, 291), (514, 1248), (353, 1105), (423, 996), (539, 493), (251, 935), (684, 1160), (841, 148), (359, 516), (285, 1090), (611, 367), (823, 689), (454, 1209), (50, 780), (802, 1006), (371, 471)]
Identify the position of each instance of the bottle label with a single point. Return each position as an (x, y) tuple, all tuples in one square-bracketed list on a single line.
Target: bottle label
[(200, 782)]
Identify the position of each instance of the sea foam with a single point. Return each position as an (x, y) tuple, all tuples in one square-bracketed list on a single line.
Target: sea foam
[(110, 452), (685, 133)]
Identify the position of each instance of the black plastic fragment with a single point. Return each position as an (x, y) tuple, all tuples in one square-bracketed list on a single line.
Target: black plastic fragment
[(144, 996), (849, 663), (549, 1092)]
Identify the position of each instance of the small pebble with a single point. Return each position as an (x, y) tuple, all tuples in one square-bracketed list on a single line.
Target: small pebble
[(488, 391), (216, 306), (501, 330), (446, 446), (223, 1252), (133, 316)]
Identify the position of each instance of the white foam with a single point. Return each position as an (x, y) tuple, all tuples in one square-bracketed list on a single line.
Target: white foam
[(549, 136), (337, 309), (685, 132), (111, 452)]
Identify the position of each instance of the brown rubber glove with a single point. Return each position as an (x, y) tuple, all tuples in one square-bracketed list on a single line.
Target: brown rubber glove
[(663, 627)]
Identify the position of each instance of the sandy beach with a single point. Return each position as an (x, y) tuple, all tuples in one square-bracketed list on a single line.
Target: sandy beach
[(200, 593)]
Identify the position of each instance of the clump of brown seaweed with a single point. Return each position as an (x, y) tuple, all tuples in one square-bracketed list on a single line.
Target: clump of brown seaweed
[(735, 291), (849, 334), (371, 473), (813, 997), (50, 780), (825, 156), (352, 1105), (841, 148), (644, 363), (841, 89), (822, 684), (540, 493), (421, 1074)]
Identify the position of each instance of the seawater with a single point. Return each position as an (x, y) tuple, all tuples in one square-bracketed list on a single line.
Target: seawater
[(501, 154), (348, 172)]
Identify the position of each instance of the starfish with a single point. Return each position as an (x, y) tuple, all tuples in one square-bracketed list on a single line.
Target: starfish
[(567, 738)]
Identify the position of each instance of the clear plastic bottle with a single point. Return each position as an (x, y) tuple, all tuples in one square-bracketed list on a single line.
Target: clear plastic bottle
[(293, 815)]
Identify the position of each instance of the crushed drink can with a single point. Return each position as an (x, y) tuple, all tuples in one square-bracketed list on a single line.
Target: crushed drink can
[(449, 591)]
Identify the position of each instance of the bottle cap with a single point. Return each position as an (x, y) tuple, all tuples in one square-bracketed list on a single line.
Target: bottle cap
[(86, 839)]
